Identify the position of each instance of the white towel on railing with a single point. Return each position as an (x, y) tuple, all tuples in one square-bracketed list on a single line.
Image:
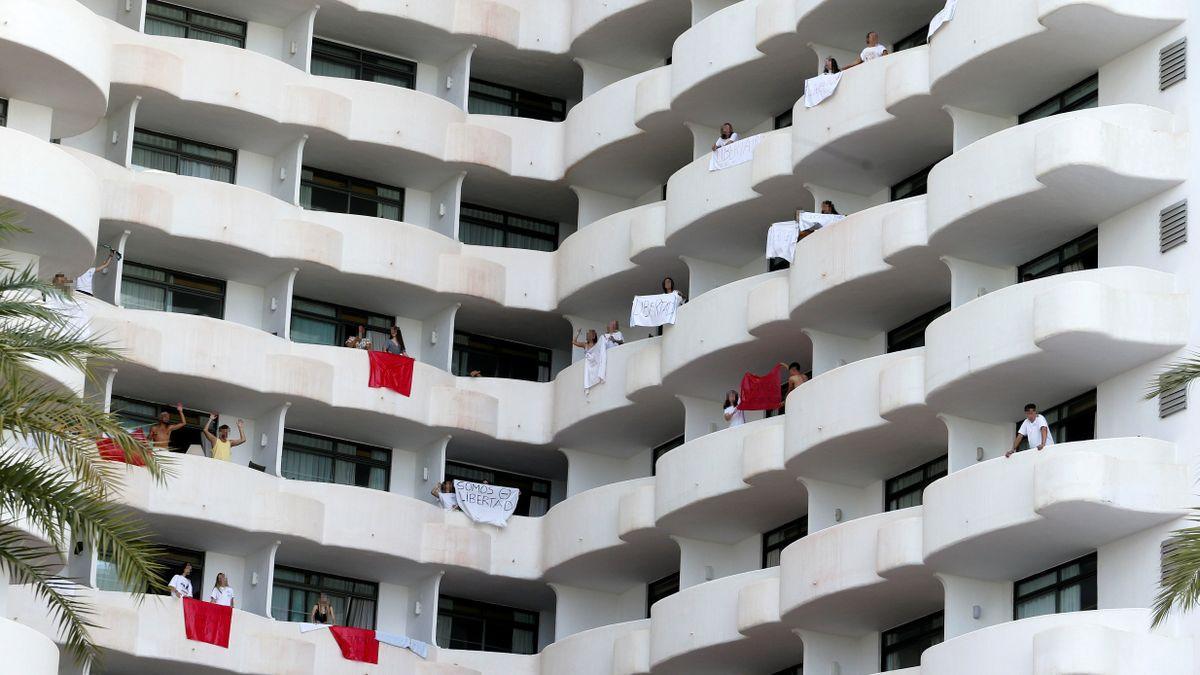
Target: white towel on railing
[(417, 647), (781, 240), (942, 17), (306, 627), (732, 154), (819, 88)]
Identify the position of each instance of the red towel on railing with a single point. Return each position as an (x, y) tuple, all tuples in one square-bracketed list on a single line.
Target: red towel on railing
[(207, 621), (110, 451), (393, 371), (357, 644), (760, 392)]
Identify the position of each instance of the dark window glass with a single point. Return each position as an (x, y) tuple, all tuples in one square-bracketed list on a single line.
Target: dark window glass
[(797, 669), (914, 185), (783, 119), (535, 492), (296, 591), (337, 60), (657, 590), (901, 647), (1080, 96), (333, 460), (1070, 587), (324, 323), (494, 357), (1078, 254), (1074, 420), (146, 287), (144, 414), (172, 561), (916, 38), (906, 489), (3, 112), (176, 21), (489, 98), (491, 227), (776, 540), (329, 191), (481, 626), (912, 334), (662, 450), (173, 154)]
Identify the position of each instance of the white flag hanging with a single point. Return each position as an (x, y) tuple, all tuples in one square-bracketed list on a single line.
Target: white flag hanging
[(733, 154), (819, 88), (491, 504), (941, 17), (654, 310), (781, 240)]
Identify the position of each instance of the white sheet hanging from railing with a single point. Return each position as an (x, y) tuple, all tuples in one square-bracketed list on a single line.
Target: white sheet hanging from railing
[(781, 240), (654, 310), (734, 153), (819, 88), (941, 17)]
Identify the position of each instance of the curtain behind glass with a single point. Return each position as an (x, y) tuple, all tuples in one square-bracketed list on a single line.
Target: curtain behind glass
[(361, 614), (313, 332), (151, 159), (482, 235), (143, 296), (522, 641), (158, 27), (305, 466), (333, 69), (1036, 606), (483, 106), (191, 167)]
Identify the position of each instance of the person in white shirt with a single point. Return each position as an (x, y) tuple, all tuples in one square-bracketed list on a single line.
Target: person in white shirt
[(180, 585), (612, 334), (728, 135), (222, 593), (83, 283), (872, 51), (1034, 428), (735, 417)]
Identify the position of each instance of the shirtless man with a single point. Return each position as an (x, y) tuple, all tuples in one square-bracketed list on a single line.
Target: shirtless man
[(796, 377), (160, 434)]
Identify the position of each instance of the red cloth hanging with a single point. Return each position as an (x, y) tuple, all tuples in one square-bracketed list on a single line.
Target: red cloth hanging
[(207, 621), (761, 392), (357, 644), (110, 451), (394, 371)]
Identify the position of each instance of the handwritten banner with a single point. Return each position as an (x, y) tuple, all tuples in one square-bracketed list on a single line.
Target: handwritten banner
[(815, 221), (491, 504), (654, 310), (941, 17), (733, 154), (781, 240), (819, 88)]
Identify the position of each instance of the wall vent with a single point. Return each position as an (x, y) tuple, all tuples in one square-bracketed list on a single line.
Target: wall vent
[(1172, 226), (1173, 401), (1172, 64)]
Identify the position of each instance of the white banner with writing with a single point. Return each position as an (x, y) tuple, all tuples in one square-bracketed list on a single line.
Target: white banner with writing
[(654, 310), (734, 153), (781, 240), (815, 221), (941, 17), (819, 88), (491, 504)]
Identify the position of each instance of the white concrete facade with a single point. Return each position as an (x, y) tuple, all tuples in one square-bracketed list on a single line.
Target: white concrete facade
[(952, 190)]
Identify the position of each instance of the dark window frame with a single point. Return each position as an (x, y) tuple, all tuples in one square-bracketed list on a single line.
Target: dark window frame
[(178, 153), (661, 588), (172, 560), (460, 356), (918, 37), (172, 287), (1090, 100), (784, 119), (519, 101), (3, 112), (662, 449), (335, 456), (791, 532), (900, 336), (912, 186), (365, 62), (188, 25), (930, 471), (345, 318), (1085, 575), (1085, 256), (494, 621), (507, 479), (507, 226), (319, 586), (928, 622), (1060, 417), (352, 189)]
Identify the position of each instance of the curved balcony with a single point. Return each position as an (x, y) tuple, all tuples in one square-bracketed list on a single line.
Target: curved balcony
[(838, 24), (26, 650), (728, 485), (880, 126), (1008, 518), (620, 521), (859, 576), (1050, 339), (627, 33), (1004, 58), (62, 231), (1099, 641), (56, 53), (723, 626), (868, 273), (606, 650), (863, 422), (1019, 192)]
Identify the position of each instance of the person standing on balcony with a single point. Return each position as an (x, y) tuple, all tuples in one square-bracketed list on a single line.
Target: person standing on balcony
[(222, 593), (395, 342), (83, 283), (444, 493), (827, 209), (831, 66), (160, 433), (360, 341), (612, 335), (728, 135), (595, 357), (1034, 428), (668, 288), (735, 417), (180, 585), (222, 447), (322, 612), (872, 51)]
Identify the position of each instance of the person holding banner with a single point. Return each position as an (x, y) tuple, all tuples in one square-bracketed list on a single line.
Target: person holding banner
[(443, 493), (733, 415), (808, 227), (668, 284), (872, 51), (728, 135)]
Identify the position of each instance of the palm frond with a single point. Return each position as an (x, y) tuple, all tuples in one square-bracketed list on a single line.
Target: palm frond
[(1180, 586), (1178, 374)]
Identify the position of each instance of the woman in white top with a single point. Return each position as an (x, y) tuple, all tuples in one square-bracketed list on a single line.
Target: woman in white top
[(735, 417), (728, 135), (180, 585), (595, 356), (872, 51), (222, 593)]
